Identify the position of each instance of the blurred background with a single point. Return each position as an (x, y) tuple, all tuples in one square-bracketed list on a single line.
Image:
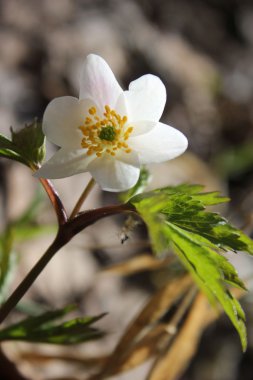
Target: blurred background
[(203, 52)]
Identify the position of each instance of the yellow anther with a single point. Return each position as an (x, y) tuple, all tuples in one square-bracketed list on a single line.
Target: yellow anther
[(106, 134), (92, 111), (89, 152)]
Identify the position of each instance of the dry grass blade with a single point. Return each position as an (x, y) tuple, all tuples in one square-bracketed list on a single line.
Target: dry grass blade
[(130, 352), (87, 362), (154, 309), (142, 351), (138, 264), (171, 365), (61, 378), (159, 337)]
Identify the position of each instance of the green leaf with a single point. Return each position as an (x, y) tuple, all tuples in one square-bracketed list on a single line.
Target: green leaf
[(43, 329), (212, 272), (138, 187), (177, 218), (208, 198), (7, 261), (30, 142)]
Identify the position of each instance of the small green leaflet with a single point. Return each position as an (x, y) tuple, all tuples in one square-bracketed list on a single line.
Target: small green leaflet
[(43, 329), (26, 146), (177, 218)]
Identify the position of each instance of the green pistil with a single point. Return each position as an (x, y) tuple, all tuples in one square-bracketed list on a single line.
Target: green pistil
[(107, 133)]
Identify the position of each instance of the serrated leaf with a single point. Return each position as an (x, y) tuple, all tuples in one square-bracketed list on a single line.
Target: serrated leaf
[(187, 210), (211, 271), (176, 218), (189, 213), (207, 198), (42, 329)]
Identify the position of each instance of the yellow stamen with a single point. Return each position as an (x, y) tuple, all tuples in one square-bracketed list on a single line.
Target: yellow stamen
[(106, 134)]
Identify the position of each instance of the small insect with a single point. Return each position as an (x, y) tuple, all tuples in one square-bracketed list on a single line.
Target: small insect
[(128, 227)]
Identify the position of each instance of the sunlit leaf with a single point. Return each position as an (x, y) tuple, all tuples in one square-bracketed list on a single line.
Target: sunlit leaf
[(177, 219)]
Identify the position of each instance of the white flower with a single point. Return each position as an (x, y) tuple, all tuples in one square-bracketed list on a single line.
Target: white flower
[(107, 131)]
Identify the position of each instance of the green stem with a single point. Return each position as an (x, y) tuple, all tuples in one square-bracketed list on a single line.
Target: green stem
[(82, 198)]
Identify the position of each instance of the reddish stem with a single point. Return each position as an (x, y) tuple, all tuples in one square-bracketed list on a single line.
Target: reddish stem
[(67, 230), (55, 200)]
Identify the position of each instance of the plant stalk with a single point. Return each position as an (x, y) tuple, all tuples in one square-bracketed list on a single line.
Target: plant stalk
[(55, 200), (66, 232), (82, 198), (30, 278)]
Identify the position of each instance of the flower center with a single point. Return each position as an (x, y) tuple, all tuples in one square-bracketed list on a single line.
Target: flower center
[(105, 135)]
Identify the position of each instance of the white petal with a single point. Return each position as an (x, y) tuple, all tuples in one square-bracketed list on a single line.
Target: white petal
[(146, 98), (162, 143), (65, 163), (98, 82), (113, 174), (141, 127), (128, 158), (61, 120)]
